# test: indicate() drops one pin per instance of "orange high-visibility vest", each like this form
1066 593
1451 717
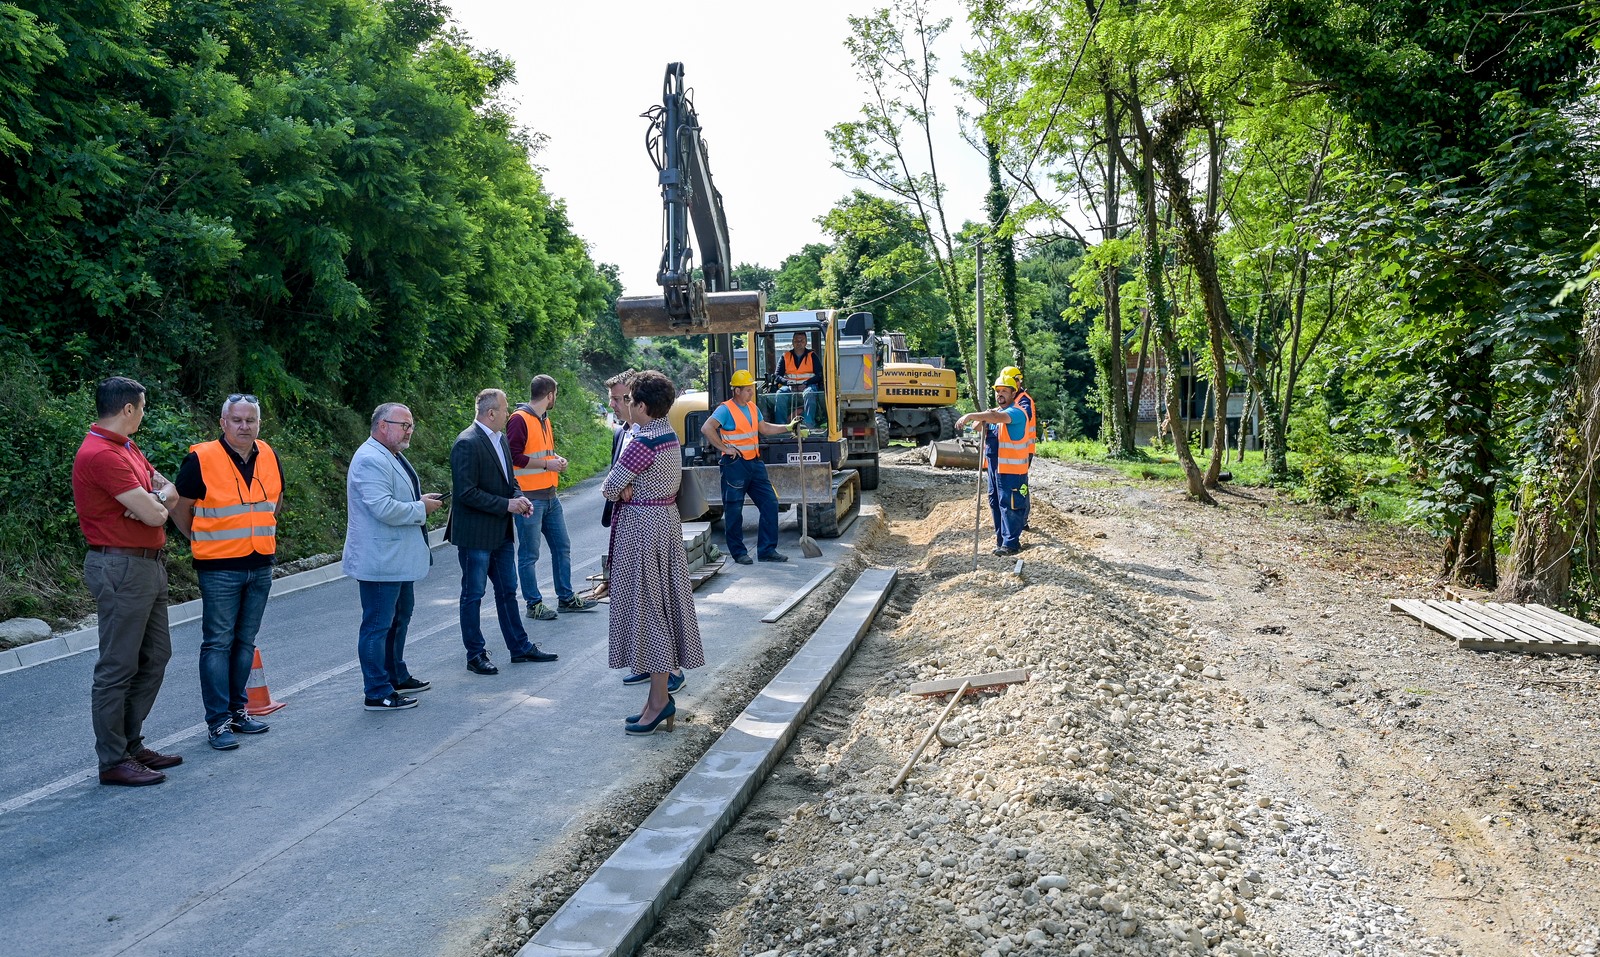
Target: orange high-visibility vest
235 520
798 374
1012 458
745 437
541 444
1032 435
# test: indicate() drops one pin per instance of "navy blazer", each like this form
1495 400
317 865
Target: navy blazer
617 437
481 489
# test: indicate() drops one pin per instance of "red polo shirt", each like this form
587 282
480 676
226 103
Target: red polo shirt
108 464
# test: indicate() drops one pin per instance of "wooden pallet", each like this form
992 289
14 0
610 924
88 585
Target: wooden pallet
704 574
1497 626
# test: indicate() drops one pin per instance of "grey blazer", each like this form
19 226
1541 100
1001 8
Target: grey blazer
385 539
482 487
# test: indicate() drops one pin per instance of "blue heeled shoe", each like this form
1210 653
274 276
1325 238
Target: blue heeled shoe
674 682
668 717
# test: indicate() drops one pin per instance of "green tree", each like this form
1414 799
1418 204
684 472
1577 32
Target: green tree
892 145
879 262
798 283
1436 95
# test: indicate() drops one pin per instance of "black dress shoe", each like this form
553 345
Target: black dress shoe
534 654
481 665
772 557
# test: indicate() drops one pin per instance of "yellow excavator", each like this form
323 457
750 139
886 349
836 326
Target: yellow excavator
916 396
817 470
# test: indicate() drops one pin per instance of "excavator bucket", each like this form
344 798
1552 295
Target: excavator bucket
737 311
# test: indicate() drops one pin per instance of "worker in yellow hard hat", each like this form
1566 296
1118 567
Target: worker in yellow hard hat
1005 450
1024 401
735 428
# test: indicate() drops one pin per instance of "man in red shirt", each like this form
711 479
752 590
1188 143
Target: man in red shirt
122 509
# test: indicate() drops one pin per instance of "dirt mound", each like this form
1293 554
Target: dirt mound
1226 746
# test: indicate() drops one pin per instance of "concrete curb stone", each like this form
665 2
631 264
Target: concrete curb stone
616 908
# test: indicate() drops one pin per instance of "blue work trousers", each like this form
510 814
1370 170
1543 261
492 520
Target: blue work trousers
546 519
784 406
1008 506
231 605
741 477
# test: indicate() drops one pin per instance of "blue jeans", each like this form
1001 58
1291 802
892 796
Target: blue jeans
784 409
741 477
385 616
547 519
1008 506
500 567
232 603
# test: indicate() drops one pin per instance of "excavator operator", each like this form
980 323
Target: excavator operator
800 374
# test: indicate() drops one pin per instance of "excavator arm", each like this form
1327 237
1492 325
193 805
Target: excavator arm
688 305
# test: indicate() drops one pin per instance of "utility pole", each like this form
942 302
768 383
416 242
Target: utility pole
981 400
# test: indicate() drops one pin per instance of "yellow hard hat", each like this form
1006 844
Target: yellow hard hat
1013 372
742 377
1007 380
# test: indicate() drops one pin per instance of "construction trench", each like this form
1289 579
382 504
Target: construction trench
1225 744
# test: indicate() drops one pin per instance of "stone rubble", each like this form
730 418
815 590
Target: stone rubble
1084 812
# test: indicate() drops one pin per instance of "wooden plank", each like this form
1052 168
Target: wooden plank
989 680
1566 621
1444 624
704 574
1480 619
799 596
1542 627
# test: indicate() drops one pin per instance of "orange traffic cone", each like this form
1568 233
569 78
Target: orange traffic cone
258 700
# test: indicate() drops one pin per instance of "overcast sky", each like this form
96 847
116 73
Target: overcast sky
768 81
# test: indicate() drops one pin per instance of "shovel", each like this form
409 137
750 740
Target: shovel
808 548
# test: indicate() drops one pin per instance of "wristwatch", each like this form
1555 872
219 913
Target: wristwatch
161 496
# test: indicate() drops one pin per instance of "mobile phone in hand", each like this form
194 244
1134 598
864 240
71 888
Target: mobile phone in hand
445 495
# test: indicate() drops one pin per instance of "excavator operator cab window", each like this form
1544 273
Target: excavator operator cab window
773 344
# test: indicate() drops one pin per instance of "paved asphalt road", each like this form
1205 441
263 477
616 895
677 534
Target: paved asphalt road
340 831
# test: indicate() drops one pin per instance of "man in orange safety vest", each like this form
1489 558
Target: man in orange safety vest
229 496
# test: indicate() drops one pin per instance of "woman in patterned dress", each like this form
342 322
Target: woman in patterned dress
654 630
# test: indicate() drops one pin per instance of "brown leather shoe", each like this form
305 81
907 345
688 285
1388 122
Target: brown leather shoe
156 761
131 774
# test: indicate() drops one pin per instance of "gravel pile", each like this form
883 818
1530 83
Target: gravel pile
1086 811
1227 746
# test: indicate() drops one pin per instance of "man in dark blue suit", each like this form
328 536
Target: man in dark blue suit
481 530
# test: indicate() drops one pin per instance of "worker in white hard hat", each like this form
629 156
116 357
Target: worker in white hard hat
735 428
1005 450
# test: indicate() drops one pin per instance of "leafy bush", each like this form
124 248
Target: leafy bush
1326 478
37 445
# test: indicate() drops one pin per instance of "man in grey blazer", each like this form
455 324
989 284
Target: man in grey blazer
386 552
480 528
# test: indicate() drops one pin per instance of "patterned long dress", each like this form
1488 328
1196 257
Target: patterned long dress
653 624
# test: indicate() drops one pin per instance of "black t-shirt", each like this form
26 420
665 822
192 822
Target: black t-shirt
191 485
